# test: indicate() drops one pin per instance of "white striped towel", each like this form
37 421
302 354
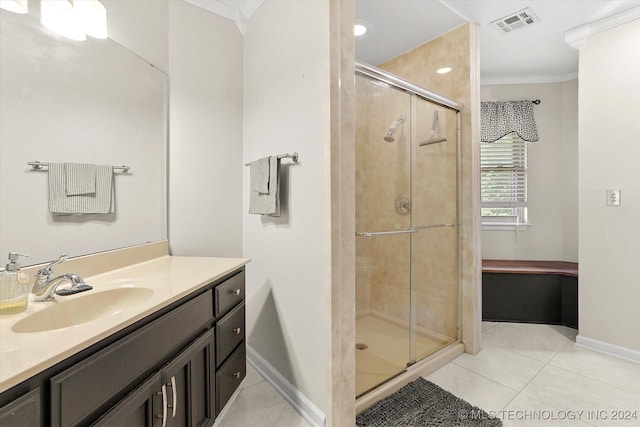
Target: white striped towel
100 202
80 178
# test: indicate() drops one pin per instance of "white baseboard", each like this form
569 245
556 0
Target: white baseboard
610 349
299 401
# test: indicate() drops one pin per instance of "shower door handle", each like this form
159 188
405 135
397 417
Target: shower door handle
385 233
425 227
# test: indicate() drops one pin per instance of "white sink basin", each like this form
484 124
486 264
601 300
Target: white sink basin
87 306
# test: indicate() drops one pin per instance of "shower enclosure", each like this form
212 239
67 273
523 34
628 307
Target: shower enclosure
406 225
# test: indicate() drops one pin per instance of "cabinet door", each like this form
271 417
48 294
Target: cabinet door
144 407
189 381
22 412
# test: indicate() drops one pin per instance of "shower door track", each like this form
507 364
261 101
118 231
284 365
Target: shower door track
365 69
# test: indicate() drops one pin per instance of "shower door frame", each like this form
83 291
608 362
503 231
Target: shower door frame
395 82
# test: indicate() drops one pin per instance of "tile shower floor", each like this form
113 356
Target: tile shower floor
524 371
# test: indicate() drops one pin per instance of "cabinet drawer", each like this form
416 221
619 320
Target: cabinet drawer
22 412
229 377
84 391
229 293
229 333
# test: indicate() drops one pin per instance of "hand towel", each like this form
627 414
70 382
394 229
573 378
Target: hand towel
259 178
268 204
100 202
80 178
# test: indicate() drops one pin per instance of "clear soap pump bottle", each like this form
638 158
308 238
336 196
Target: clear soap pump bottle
14 286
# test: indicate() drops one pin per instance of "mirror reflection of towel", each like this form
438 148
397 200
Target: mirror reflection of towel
79 178
269 203
100 202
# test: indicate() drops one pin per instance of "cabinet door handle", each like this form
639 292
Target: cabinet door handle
236 291
237 374
175 395
164 405
237 330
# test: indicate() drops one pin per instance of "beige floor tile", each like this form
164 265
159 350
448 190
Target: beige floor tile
600 367
540 342
506 367
475 389
568 391
261 405
252 378
525 411
488 325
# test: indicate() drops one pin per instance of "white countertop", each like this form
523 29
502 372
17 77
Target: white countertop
23 355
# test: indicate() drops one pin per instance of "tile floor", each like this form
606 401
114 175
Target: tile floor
524 371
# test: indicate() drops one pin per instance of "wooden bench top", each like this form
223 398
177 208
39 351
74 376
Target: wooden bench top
530 267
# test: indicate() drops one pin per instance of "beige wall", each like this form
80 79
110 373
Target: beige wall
552 177
286 109
609 126
457 49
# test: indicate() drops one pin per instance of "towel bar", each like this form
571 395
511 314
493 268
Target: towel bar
39 165
293 156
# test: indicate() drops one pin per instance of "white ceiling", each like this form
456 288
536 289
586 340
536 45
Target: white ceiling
532 54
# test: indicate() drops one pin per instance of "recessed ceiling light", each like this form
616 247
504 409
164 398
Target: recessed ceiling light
443 70
359 30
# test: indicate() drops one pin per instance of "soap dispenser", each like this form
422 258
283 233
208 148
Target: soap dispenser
14 286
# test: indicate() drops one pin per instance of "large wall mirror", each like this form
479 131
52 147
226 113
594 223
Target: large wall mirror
89 101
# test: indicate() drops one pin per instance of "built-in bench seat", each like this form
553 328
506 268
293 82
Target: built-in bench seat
530 291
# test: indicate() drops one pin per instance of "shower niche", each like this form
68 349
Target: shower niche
406 225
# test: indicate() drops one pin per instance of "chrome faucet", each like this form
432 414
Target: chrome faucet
44 287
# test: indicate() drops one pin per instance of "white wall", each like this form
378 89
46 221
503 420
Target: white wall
286 108
141 27
552 177
205 125
608 153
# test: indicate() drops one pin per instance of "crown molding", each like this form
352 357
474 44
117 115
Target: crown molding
577 37
237 11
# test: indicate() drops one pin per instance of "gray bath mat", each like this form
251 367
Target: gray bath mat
422 403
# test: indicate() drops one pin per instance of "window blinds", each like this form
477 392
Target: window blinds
504 172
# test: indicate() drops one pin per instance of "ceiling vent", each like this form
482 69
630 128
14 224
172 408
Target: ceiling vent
515 21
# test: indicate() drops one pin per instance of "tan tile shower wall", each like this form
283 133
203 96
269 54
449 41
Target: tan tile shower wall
457 49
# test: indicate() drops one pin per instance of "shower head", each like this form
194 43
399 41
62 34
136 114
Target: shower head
393 128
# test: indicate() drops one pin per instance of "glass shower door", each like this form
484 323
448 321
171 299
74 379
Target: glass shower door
434 248
383 233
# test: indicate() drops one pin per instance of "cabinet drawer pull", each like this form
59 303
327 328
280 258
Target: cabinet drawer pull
237 374
235 292
237 331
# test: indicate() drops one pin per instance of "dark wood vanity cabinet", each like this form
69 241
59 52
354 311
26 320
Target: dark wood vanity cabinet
177 367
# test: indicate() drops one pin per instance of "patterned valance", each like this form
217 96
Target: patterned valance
498 119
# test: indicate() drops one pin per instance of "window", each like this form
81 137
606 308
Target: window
504 182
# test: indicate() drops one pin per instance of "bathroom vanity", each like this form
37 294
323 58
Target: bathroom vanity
172 358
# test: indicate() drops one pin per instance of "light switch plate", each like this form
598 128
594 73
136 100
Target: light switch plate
613 197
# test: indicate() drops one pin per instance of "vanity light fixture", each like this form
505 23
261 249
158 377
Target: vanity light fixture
15 6
75 19
443 70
